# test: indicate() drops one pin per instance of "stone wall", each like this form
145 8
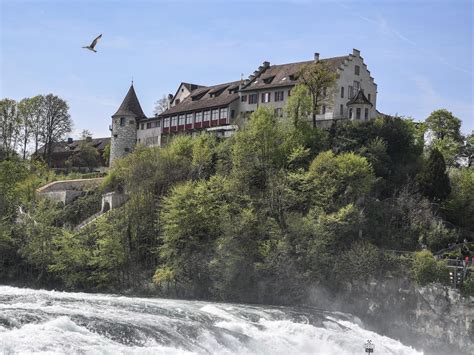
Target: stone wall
66 191
124 137
112 200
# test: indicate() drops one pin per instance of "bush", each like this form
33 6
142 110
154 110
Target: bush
426 269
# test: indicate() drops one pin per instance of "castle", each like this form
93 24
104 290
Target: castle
194 108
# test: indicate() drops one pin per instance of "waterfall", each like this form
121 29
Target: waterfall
50 322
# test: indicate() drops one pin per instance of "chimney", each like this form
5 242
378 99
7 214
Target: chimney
316 57
70 140
355 52
266 64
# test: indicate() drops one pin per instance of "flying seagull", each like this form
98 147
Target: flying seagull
94 42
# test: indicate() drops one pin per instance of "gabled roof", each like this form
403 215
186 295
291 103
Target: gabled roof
206 97
75 145
130 105
359 99
286 74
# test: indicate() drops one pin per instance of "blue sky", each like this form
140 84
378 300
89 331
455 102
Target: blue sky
419 52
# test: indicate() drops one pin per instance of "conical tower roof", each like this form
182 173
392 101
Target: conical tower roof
130 105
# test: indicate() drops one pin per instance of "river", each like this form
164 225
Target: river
50 322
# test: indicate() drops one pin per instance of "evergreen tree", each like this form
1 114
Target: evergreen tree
433 180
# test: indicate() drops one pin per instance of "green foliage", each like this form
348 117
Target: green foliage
188 218
426 269
336 180
361 262
433 180
81 208
320 80
459 206
299 105
263 216
443 124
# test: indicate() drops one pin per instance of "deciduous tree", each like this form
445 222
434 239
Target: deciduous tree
320 79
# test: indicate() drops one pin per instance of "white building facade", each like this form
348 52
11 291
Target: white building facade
219 108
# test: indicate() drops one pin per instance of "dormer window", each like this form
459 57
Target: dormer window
268 79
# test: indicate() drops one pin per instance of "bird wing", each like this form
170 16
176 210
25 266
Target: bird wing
94 42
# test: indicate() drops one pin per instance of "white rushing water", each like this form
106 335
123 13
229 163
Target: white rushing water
49 322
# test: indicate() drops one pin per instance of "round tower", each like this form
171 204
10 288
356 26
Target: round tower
124 126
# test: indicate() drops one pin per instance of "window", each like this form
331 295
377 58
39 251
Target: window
122 121
351 92
148 125
131 122
198 118
126 149
207 116
166 122
223 113
356 86
253 99
323 109
342 91
265 97
356 70
189 118
142 126
176 101
278 95
232 113
174 121
368 97
350 113
180 120
341 110
243 98
366 114
215 115
358 113
289 92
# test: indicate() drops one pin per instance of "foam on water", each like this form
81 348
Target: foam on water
48 322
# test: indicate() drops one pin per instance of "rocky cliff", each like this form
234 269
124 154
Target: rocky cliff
435 318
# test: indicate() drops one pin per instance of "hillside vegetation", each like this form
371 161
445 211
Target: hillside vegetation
259 217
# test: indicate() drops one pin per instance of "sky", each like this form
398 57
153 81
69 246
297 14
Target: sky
420 52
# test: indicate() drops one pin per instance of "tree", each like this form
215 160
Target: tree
445 134
443 123
337 180
57 122
86 155
10 124
30 111
433 180
320 79
161 105
298 107
459 206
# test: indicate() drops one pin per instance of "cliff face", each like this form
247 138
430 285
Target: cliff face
435 318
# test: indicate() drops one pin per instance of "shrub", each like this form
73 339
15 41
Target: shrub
426 269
